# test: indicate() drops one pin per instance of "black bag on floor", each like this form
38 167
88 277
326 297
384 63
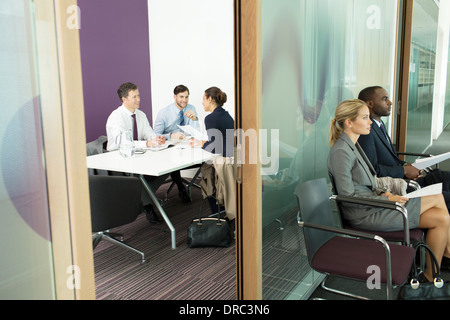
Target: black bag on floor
208 232
437 290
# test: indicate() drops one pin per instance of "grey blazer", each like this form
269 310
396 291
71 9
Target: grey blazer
355 176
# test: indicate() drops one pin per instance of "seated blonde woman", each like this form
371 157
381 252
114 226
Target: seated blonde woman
355 176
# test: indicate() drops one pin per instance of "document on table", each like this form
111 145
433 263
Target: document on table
427 191
430 161
166 145
194 133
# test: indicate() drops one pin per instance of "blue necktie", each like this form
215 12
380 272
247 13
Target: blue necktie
135 132
383 129
181 118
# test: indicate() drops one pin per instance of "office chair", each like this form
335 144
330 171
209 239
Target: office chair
406 236
189 184
346 253
115 201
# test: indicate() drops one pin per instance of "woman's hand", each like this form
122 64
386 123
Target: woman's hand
395 198
196 143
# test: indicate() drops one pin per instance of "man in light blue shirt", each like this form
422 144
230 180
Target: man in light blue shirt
178 113
167 121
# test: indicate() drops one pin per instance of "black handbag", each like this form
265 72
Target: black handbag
437 290
208 232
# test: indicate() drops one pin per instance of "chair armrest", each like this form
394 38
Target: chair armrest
414 154
347 232
413 184
425 155
351 233
395 206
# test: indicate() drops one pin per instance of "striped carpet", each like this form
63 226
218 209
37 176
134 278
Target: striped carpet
180 274
193 274
284 257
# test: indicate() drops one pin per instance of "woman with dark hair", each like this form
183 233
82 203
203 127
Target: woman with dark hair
217 124
354 175
218 179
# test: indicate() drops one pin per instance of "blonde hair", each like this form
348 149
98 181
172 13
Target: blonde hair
348 109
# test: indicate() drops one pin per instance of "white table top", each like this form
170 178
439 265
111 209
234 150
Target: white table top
151 163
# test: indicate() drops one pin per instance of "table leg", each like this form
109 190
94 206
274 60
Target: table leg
161 210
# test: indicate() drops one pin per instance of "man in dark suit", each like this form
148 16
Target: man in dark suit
380 151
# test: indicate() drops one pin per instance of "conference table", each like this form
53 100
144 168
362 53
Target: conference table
152 163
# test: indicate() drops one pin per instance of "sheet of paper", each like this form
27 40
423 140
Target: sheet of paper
194 133
427 191
431 161
163 146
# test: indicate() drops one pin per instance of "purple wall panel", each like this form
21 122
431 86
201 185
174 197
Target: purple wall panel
114 40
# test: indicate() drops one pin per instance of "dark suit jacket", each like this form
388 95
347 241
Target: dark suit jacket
381 153
217 124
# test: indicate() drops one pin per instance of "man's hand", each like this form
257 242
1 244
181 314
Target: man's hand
191 115
161 139
177 136
412 172
158 141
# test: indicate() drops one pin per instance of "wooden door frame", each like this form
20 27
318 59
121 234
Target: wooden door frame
63 123
404 72
248 116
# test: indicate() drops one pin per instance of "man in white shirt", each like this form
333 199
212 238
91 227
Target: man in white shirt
122 119
179 113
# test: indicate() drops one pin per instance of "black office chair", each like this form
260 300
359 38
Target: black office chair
189 184
408 237
115 201
341 252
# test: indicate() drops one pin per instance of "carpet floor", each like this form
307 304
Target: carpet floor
180 274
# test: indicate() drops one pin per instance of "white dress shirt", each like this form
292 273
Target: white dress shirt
121 120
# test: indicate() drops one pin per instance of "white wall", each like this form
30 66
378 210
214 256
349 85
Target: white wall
440 81
191 43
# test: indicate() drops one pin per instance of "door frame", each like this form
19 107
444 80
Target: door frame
248 76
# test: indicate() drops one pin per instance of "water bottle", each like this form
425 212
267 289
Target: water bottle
126 144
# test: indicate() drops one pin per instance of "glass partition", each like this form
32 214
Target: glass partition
421 78
26 269
447 96
315 54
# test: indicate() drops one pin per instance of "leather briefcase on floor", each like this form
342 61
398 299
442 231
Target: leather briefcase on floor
208 232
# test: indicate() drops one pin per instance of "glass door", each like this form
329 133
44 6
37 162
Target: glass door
26 264
421 75
447 95
44 196
315 54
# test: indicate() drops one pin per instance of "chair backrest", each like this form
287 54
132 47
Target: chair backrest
97 147
115 201
338 204
333 183
314 207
